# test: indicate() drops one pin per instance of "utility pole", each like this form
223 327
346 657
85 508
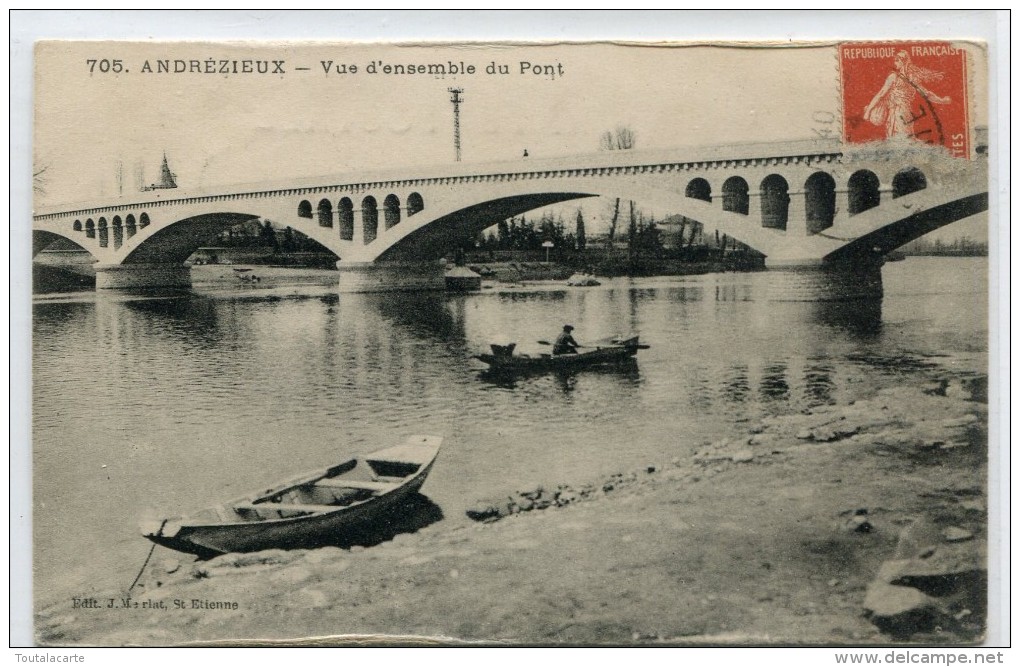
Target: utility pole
456 99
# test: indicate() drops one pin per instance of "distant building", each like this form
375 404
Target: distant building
167 179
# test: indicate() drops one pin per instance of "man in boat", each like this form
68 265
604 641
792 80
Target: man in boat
565 343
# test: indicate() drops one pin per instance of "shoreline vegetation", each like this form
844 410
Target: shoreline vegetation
68 270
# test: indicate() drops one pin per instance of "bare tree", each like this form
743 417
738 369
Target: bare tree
39 180
620 139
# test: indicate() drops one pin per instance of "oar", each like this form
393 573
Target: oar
637 347
545 342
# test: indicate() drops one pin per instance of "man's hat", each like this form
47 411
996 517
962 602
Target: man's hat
568 327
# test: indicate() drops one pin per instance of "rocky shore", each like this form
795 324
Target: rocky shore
849 524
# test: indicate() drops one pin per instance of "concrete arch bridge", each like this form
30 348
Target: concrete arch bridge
801 204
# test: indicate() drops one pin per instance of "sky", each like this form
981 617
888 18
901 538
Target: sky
221 128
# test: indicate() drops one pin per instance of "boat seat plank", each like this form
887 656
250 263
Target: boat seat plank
339 483
287 507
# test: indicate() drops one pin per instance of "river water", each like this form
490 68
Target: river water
151 404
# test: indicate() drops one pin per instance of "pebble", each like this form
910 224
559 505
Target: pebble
742 456
973 505
956 534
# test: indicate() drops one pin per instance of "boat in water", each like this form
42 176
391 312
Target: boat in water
583 280
610 350
315 508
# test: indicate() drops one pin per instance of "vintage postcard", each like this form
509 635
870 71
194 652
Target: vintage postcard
543 344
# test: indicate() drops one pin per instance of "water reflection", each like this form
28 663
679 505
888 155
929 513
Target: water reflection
818 382
862 318
774 385
737 387
624 373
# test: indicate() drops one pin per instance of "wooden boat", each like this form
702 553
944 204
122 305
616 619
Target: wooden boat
583 280
314 508
609 350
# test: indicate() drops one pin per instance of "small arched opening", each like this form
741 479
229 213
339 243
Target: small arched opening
699 189
104 233
143 221
370 219
325 213
77 225
414 204
130 226
863 192
304 209
775 202
735 197
907 181
90 229
391 210
820 201
118 232
345 211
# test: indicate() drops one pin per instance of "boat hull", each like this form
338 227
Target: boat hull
604 355
342 526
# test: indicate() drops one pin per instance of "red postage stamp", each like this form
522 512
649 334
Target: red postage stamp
905 89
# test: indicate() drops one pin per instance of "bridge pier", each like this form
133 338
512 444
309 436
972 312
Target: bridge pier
826 281
391 276
131 276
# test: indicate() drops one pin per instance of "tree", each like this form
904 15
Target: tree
268 235
39 180
620 139
582 240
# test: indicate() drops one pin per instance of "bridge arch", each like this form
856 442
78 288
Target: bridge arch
369 219
104 234
118 232
907 181
345 215
699 188
77 225
820 201
472 209
304 209
735 197
143 220
130 227
42 239
90 229
391 210
415 204
174 243
863 191
775 202
325 213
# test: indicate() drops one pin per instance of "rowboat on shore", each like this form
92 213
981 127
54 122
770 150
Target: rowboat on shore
610 350
315 508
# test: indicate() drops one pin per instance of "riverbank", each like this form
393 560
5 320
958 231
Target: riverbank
853 524
58 274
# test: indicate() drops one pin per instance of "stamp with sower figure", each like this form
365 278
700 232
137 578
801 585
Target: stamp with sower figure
916 90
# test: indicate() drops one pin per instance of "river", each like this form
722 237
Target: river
152 404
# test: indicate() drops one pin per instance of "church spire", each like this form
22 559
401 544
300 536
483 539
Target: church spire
167 179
